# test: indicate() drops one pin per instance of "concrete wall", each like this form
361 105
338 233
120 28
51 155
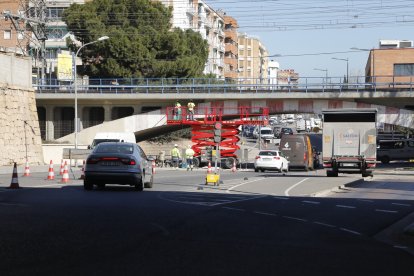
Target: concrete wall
15 70
19 124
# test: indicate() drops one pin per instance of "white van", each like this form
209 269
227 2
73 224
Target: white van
113 137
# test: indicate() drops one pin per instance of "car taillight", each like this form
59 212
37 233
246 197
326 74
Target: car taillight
276 157
257 157
92 160
304 156
128 161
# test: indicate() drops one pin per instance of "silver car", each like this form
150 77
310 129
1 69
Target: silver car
118 163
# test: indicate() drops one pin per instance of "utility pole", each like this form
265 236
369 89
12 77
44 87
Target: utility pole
31 19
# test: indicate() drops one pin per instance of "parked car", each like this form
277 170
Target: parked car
285 131
276 131
272 160
118 163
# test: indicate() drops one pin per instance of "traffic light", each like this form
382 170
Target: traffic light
217 132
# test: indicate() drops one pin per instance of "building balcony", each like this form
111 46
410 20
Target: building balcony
191 10
231 48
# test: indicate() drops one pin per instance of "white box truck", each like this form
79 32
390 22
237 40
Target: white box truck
112 137
349 143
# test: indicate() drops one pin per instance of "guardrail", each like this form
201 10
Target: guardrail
201 85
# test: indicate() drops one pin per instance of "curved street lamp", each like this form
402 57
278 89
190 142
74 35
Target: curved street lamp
347 67
326 73
76 86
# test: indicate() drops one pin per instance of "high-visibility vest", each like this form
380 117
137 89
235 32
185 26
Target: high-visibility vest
189 153
175 152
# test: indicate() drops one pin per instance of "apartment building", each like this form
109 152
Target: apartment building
231 55
11 39
392 62
200 17
253 60
287 77
272 72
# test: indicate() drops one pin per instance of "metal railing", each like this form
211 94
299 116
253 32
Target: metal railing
213 85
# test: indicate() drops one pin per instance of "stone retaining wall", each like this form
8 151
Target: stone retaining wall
19 124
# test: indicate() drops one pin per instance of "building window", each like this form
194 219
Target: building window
404 69
7 34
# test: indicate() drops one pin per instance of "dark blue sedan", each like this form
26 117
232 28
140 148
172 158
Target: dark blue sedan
118 163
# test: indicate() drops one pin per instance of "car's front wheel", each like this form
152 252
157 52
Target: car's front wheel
150 183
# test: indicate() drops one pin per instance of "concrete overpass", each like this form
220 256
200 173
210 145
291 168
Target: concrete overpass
154 123
101 104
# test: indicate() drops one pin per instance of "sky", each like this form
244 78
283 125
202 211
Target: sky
305 35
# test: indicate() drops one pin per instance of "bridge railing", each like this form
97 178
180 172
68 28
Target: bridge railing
210 85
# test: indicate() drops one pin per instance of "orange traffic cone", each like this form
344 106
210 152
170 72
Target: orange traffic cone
209 170
234 169
83 171
26 169
51 174
65 177
15 178
61 167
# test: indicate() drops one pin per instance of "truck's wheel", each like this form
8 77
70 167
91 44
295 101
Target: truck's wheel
196 162
228 162
366 174
385 160
331 174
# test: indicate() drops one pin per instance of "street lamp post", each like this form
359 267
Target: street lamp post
326 74
347 67
76 87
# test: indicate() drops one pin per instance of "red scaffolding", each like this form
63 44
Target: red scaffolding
203 124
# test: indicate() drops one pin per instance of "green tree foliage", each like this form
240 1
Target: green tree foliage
141 44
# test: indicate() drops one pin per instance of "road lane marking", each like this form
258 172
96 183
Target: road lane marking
345 206
279 197
311 202
292 187
13 204
401 204
294 218
351 231
234 209
366 200
400 247
240 200
324 224
264 213
162 228
386 211
248 182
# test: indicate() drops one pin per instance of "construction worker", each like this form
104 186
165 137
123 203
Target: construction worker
190 108
189 154
175 156
177 111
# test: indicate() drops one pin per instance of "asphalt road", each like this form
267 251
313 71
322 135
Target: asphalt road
251 224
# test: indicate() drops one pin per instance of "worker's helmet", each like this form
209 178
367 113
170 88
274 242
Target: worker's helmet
175 145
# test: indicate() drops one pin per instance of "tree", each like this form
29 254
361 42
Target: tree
141 44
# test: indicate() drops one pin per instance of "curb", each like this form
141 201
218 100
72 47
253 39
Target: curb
327 191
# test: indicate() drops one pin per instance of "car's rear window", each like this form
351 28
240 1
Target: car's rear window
266 131
268 153
112 148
